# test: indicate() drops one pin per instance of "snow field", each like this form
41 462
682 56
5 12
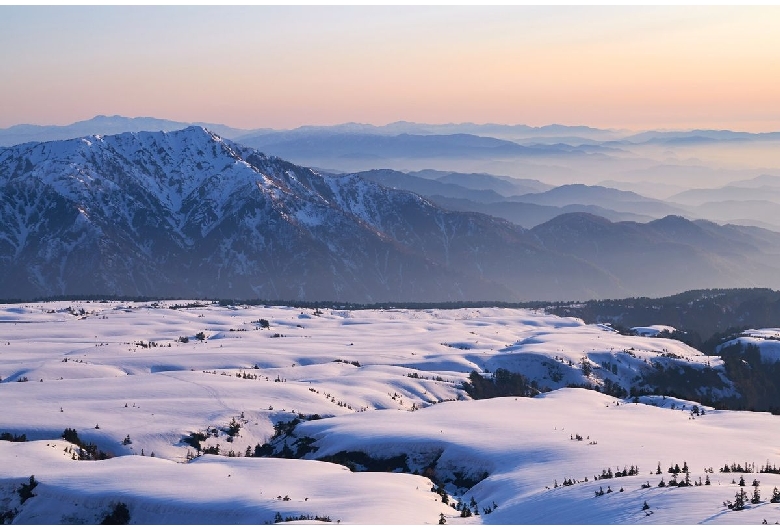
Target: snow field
210 490
525 445
396 389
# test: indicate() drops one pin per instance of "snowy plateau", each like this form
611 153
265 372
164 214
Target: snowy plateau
201 413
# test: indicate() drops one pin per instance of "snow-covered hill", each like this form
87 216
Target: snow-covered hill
361 389
767 340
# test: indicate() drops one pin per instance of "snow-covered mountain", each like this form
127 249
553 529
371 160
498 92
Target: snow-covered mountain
188 213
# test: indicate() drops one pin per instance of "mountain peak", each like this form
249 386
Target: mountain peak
574 222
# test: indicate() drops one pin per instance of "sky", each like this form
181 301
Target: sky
282 67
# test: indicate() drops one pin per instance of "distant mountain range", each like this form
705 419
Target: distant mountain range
525 134
463 192
189 214
696 136
104 125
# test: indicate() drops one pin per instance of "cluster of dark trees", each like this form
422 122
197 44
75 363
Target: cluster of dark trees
119 514
353 363
682 381
704 320
770 468
8 516
749 468
283 443
469 509
360 461
741 498
757 381
25 492
502 383
703 316
303 517
738 468
87 451
676 470
10 437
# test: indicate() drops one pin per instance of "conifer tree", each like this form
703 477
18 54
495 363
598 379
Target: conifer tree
25 491
120 514
756 498
740 498
775 495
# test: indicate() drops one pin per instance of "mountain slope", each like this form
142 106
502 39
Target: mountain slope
726 193
666 255
428 187
188 213
529 215
506 186
609 198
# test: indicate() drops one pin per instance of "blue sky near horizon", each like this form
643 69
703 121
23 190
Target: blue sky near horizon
265 66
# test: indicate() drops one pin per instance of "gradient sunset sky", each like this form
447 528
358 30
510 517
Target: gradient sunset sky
622 67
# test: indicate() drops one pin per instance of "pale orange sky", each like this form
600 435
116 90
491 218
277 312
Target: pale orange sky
622 67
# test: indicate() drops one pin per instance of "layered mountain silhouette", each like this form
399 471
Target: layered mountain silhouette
189 214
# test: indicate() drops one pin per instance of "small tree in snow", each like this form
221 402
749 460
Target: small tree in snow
756 498
118 515
587 369
25 491
775 495
739 500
